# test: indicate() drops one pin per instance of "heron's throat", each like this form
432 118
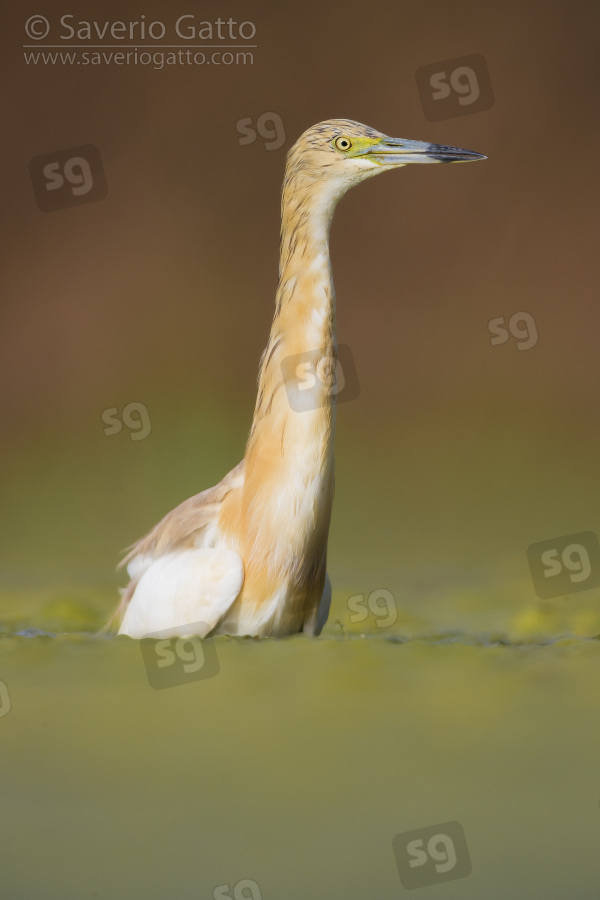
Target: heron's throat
307 208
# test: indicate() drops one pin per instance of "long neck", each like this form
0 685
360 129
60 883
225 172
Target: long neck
288 486
304 322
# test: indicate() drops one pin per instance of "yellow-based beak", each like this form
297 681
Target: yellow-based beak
398 152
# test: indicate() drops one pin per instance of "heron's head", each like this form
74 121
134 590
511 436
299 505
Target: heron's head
334 155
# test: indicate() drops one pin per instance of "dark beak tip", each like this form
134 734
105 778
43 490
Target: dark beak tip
457 155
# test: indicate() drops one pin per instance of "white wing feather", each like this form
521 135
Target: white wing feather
185 592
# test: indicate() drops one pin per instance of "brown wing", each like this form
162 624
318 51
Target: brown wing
187 521
184 524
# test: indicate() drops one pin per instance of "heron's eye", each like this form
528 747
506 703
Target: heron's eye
343 143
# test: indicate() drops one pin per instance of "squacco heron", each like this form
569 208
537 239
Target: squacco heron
248 557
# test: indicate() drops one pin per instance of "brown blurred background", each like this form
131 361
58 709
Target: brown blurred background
457 454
